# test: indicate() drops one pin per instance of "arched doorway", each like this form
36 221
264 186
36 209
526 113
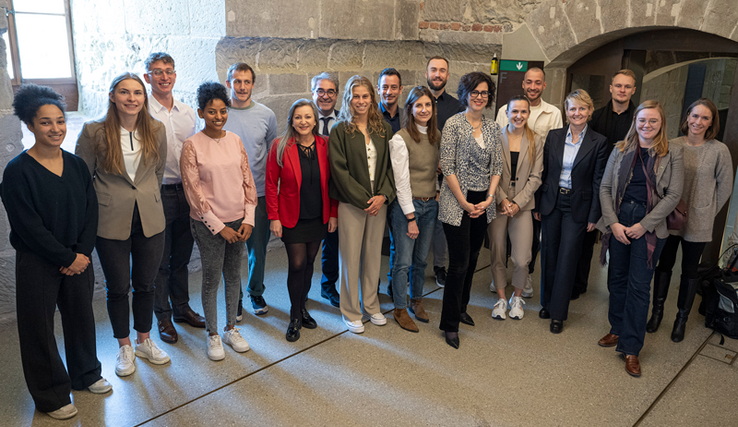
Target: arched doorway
566 32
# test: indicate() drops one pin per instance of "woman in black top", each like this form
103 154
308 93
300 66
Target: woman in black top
52 209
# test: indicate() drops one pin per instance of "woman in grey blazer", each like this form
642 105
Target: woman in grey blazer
708 183
125 152
522 154
641 186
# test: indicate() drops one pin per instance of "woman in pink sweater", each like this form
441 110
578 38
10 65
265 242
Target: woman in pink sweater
222 196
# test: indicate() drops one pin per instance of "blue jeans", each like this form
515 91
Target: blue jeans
629 283
410 254
257 247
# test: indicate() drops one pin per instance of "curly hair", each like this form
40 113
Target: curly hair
375 120
209 91
469 82
31 97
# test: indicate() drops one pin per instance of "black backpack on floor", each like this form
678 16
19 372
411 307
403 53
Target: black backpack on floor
721 305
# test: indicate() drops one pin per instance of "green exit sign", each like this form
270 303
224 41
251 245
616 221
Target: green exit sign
507 65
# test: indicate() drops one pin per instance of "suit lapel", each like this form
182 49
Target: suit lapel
587 145
294 160
322 153
506 152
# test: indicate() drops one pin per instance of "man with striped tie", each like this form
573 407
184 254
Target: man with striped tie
324 87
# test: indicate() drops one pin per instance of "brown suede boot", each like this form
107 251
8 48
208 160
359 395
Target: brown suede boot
416 307
404 320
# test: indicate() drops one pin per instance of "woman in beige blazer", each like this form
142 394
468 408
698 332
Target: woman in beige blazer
125 152
521 176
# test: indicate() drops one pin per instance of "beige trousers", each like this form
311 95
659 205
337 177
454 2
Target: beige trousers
520 229
360 258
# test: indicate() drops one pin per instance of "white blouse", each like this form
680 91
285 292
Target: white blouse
371 159
131 145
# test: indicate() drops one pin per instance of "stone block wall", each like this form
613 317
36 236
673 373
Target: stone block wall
284 67
114 36
10 146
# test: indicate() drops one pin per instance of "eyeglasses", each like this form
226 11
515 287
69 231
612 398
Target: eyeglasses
476 93
652 122
330 92
158 72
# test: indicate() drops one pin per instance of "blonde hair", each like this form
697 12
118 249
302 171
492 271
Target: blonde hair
528 131
582 97
289 133
144 126
374 121
660 144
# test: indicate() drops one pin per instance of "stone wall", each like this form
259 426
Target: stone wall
114 36
286 48
10 146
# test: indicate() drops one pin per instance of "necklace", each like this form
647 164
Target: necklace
217 141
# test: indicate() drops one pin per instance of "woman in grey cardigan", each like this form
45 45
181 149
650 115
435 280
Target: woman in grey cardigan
708 181
641 186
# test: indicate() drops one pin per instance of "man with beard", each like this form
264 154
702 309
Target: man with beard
543 117
613 121
436 73
325 94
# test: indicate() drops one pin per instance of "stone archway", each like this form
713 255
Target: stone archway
565 31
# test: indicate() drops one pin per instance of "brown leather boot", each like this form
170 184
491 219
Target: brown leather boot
404 320
416 307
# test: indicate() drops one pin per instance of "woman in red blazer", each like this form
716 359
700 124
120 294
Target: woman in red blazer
298 206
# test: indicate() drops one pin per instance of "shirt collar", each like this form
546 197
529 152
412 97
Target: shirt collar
422 129
581 134
156 106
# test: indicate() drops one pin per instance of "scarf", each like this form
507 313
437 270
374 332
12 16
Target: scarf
624 177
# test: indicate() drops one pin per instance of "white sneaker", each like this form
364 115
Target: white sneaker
233 338
100 386
499 311
528 289
356 327
516 308
378 319
150 351
215 348
124 365
492 287
63 413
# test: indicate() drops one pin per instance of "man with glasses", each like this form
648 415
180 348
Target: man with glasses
543 117
172 280
613 121
325 94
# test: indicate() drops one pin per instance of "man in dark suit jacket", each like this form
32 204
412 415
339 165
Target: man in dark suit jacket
569 205
324 87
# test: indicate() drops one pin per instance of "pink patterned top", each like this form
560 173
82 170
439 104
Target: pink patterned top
217 180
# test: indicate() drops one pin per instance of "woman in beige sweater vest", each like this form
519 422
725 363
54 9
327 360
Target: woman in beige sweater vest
414 154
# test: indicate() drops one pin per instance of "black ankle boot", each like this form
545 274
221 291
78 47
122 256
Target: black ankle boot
687 290
661 282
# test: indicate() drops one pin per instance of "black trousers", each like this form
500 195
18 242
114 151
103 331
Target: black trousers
329 263
562 244
40 288
133 262
464 243
172 279
691 254
581 280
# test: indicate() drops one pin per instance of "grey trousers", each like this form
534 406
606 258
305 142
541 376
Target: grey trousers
218 257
